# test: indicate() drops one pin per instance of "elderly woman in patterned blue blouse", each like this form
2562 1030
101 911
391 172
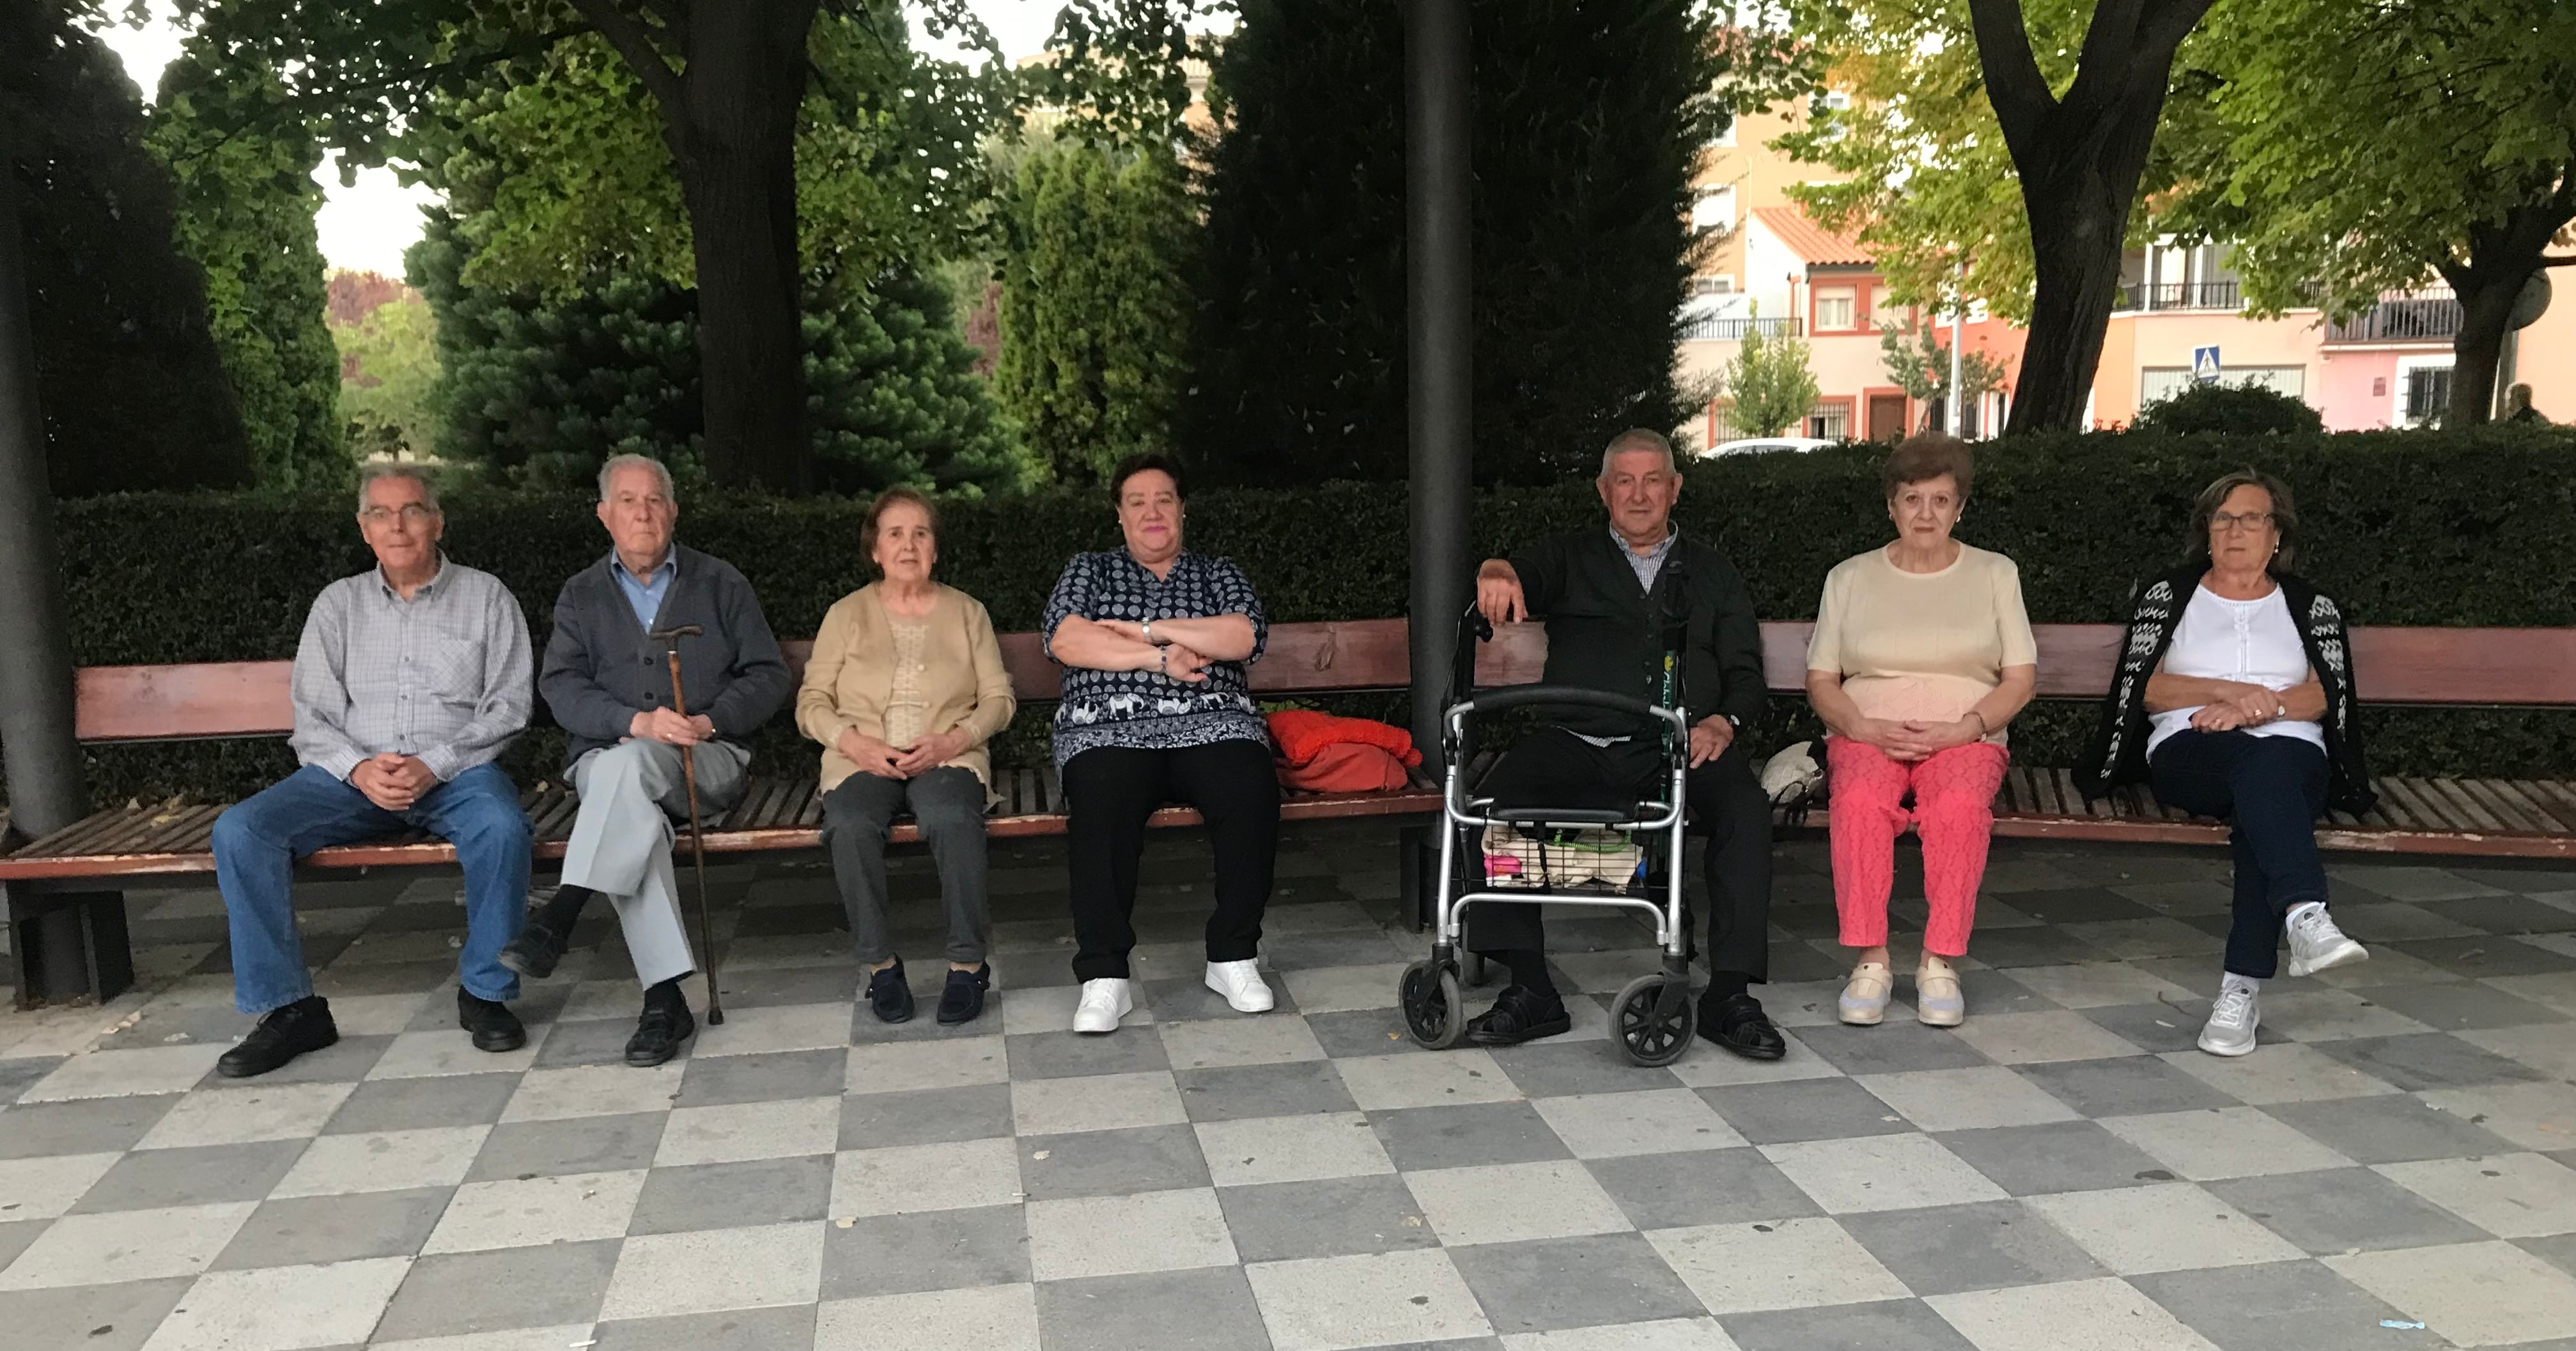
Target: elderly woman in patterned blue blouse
1154 641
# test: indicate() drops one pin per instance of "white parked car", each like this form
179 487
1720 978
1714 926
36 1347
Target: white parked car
1751 445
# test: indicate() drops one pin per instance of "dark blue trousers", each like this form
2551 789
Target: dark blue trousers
2269 790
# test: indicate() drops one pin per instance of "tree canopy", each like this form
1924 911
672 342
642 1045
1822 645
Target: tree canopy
1770 383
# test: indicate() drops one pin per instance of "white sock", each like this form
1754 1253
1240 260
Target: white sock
2302 908
2252 985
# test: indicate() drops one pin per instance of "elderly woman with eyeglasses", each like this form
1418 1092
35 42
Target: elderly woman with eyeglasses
2234 699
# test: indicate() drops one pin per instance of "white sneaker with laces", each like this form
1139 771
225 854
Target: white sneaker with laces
2317 945
2230 1029
1104 1002
1242 986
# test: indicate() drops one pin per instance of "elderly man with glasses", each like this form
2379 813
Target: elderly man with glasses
409 680
608 680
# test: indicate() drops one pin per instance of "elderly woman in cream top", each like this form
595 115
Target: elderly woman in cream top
1921 654
905 688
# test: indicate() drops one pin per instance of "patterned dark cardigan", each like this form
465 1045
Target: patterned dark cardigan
2119 754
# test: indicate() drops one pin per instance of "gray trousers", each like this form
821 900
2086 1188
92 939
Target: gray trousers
948 804
621 839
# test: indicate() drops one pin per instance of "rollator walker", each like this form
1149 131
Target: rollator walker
1653 1014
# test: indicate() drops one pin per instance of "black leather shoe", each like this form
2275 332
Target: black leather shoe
890 994
1738 1023
535 951
659 1032
495 1028
283 1033
1519 1014
962 1001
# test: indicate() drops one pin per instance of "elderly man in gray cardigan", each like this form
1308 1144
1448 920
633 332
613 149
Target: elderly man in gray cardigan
609 684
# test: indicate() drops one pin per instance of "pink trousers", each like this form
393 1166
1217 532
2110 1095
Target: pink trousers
1954 813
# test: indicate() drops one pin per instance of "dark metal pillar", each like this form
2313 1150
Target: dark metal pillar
1439 181
1439 184
62 944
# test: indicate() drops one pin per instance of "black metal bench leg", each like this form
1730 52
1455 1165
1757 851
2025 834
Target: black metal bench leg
66 944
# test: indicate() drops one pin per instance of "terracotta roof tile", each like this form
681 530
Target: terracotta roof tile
1819 246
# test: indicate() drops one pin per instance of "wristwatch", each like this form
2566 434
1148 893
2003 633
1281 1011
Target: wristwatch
1147 629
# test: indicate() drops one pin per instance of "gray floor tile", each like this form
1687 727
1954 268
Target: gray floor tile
2159 1027
2505 914
2342 1209
418 1104
90 1317
2036 946
1236 1092
2459 1006
2123 1086
768 987
1546 1284
1553 1069
2478 958
150 1179
2282 1306
1899 1044
733 1195
866 1030
2558 1251
1800 961
1804 1109
1709 1186
731 1330
930 1250
1187 999
2397 921
310 1230
924 1116
1111 1163
1208 1309
1063 1055
1359 1032
451 1294
1943 1250
31 1130
19 1071
16 1235
1907 1323
176 1024
589 1144
1315 951
1336 1217
2077 905
591 1041
2151 937
2427 1060
1457 1137
2057 1156
771 1076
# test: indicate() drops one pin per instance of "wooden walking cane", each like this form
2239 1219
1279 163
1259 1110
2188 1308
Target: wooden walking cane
670 640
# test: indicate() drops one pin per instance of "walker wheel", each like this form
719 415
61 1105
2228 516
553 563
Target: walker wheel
1428 993
1650 1035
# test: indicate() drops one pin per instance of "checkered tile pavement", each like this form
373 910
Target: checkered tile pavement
2064 1173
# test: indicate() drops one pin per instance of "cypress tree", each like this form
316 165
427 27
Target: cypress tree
1589 119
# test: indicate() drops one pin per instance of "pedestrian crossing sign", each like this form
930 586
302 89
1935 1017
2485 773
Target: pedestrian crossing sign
2204 365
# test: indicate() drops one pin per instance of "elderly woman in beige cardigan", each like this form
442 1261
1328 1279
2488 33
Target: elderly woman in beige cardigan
905 687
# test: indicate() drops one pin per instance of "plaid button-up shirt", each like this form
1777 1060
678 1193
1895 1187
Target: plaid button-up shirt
447 676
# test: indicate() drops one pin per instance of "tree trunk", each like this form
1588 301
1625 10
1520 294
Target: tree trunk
746 77
2075 249
2502 258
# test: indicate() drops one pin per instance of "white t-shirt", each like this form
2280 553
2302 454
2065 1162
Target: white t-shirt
2252 641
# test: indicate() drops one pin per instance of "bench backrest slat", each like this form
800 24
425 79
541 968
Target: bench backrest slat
2431 666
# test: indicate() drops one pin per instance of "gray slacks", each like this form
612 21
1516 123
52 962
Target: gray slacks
621 839
948 803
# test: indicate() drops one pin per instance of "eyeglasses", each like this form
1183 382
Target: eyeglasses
2229 520
412 513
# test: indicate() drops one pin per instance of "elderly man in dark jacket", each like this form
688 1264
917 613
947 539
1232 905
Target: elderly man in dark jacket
608 682
1612 596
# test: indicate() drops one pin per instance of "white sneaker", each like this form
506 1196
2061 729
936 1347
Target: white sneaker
2230 1029
1242 986
1104 1002
2317 945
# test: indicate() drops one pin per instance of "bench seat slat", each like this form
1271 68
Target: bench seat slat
2509 806
2469 807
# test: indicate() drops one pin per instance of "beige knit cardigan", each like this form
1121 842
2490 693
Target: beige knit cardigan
851 676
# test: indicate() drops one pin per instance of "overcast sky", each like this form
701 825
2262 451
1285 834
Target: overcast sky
367 227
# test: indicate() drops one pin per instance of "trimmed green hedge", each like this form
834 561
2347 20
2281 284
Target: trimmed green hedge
2470 528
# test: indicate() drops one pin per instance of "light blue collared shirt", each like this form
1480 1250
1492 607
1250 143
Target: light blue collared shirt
646 596
1646 565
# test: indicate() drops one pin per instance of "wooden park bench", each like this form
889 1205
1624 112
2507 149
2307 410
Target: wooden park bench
2431 667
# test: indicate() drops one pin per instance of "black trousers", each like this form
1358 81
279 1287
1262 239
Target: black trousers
1554 767
2269 790
1110 791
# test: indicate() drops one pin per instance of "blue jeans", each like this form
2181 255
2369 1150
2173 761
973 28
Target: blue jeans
2270 790
258 840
